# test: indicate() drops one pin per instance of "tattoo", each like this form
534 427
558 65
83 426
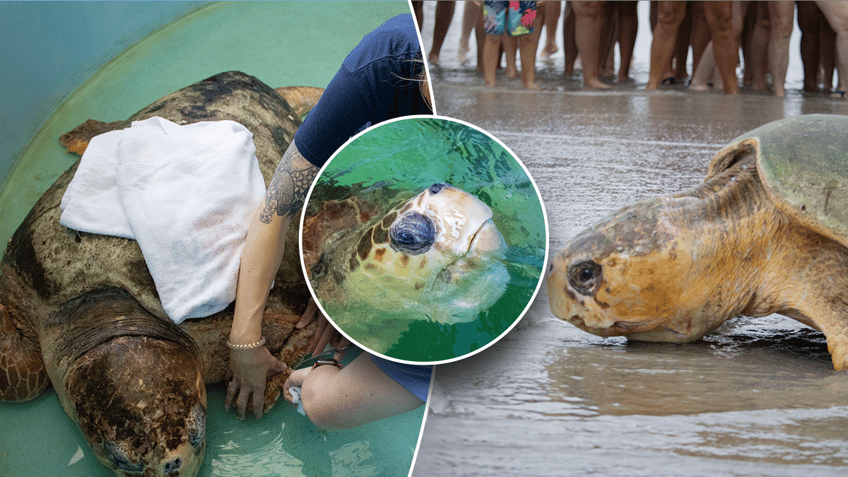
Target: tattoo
289 186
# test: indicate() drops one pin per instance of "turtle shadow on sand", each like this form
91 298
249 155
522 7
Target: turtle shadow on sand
80 310
766 232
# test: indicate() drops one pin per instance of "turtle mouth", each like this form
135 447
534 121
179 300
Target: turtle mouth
487 238
485 243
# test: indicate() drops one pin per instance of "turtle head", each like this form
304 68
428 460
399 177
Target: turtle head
141 413
629 275
438 249
132 382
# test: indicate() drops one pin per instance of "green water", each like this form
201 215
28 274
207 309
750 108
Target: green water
283 44
410 155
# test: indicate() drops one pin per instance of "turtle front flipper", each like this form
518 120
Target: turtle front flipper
301 98
22 373
132 382
76 140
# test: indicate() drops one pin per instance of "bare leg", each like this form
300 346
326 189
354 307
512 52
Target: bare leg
569 43
677 65
719 17
355 395
587 30
528 45
418 10
510 47
781 14
491 51
469 19
628 27
703 73
480 34
669 16
608 36
837 16
552 12
700 33
444 15
827 53
759 48
809 24
527 49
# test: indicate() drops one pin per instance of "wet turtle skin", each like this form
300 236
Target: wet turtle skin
675 268
80 310
436 254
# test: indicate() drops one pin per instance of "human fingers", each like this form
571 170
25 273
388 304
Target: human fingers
241 402
308 315
277 367
258 404
232 388
323 324
341 349
326 337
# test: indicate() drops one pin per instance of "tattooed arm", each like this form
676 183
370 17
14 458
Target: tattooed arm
261 257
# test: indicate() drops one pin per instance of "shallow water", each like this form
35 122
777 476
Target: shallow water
271 41
390 158
756 397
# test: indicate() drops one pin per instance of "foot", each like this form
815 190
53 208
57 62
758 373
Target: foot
549 50
511 72
700 87
462 54
596 84
433 58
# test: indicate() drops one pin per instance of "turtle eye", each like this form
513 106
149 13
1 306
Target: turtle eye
412 233
585 276
436 188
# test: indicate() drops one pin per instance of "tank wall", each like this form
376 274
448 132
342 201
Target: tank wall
49 49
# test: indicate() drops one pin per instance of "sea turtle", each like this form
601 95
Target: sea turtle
81 311
436 255
766 232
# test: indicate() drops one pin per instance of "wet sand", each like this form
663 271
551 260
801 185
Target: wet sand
756 397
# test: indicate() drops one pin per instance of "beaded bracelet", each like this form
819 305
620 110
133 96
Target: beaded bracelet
246 346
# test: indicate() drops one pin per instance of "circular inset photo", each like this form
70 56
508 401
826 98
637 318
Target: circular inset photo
424 240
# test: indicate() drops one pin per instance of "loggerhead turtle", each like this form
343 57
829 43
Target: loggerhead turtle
766 232
81 311
436 255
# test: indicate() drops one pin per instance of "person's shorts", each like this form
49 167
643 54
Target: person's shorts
515 18
414 378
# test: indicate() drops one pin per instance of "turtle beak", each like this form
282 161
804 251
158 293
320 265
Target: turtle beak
487 239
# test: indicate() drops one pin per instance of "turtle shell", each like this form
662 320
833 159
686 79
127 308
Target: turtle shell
803 165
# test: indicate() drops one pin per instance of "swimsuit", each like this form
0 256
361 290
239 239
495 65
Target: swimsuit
515 18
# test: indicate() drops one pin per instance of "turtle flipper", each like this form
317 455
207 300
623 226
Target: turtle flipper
22 372
301 98
76 140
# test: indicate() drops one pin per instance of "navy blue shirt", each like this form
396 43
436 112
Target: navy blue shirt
378 80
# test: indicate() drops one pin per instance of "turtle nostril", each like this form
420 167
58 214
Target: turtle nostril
173 466
436 188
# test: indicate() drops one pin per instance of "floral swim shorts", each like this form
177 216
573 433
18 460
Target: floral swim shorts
515 18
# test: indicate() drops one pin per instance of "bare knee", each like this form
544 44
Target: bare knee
321 401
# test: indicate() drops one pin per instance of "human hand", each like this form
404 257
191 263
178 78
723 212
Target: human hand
248 370
325 333
295 380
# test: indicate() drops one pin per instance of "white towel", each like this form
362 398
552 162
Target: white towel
187 194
